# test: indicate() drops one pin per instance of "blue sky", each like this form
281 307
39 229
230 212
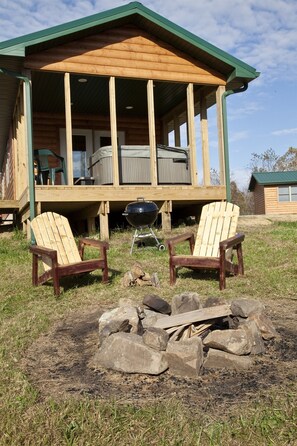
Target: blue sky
261 33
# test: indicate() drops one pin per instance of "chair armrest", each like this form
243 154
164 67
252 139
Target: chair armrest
172 242
42 251
102 246
232 241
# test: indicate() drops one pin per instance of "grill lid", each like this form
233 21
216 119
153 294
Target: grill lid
140 206
141 213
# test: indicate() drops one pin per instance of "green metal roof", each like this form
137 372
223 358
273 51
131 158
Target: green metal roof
21 46
13 54
272 178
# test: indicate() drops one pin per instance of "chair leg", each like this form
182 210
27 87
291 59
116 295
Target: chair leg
240 260
172 271
56 280
222 279
34 270
105 274
222 271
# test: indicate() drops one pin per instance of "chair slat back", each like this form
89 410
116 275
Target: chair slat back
53 231
218 222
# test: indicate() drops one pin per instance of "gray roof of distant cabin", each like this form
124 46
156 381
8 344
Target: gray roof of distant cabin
273 178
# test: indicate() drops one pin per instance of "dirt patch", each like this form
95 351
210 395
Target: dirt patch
58 365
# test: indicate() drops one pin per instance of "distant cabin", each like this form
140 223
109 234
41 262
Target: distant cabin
274 192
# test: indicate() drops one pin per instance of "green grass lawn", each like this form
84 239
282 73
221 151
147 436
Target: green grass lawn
26 312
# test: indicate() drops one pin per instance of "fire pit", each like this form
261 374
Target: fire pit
142 214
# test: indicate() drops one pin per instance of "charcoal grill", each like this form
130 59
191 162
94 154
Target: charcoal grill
142 214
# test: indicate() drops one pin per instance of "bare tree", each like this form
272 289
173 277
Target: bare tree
264 162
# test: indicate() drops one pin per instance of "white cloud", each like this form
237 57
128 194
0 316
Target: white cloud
238 136
285 132
263 34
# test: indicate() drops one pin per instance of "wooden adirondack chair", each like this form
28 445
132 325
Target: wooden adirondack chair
57 249
215 243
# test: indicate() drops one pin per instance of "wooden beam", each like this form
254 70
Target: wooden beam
193 316
191 134
204 140
219 93
68 119
114 133
152 131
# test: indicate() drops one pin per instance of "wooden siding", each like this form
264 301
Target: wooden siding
7 177
124 52
273 206
259 200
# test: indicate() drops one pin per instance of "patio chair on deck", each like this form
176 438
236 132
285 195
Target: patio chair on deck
56 248
48 165
216 241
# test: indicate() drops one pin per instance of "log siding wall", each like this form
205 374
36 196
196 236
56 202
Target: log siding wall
273 206
259 199
124 52
47 126
266 201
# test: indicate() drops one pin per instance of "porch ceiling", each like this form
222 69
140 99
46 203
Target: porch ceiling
92 97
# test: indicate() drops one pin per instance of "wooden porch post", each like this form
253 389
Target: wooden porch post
113 131
219 93
176 131
68 119
204 140
152 131
191 134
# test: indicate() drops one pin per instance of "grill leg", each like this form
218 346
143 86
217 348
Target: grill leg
133 240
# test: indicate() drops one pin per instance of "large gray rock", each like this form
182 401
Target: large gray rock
253 332
156 303
265 326
126 352
121 314
185 357
182 303
245 307
237 342
156 338
114 326
151 317
217 359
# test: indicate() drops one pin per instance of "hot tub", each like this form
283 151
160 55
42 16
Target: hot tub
134 165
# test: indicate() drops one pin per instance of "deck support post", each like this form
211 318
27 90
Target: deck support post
103 220
165 211
91 225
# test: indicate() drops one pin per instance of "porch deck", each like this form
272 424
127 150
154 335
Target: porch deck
86 202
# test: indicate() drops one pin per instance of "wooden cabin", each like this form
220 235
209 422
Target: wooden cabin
274 192
124 97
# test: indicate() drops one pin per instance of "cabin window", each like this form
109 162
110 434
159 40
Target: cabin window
287 193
